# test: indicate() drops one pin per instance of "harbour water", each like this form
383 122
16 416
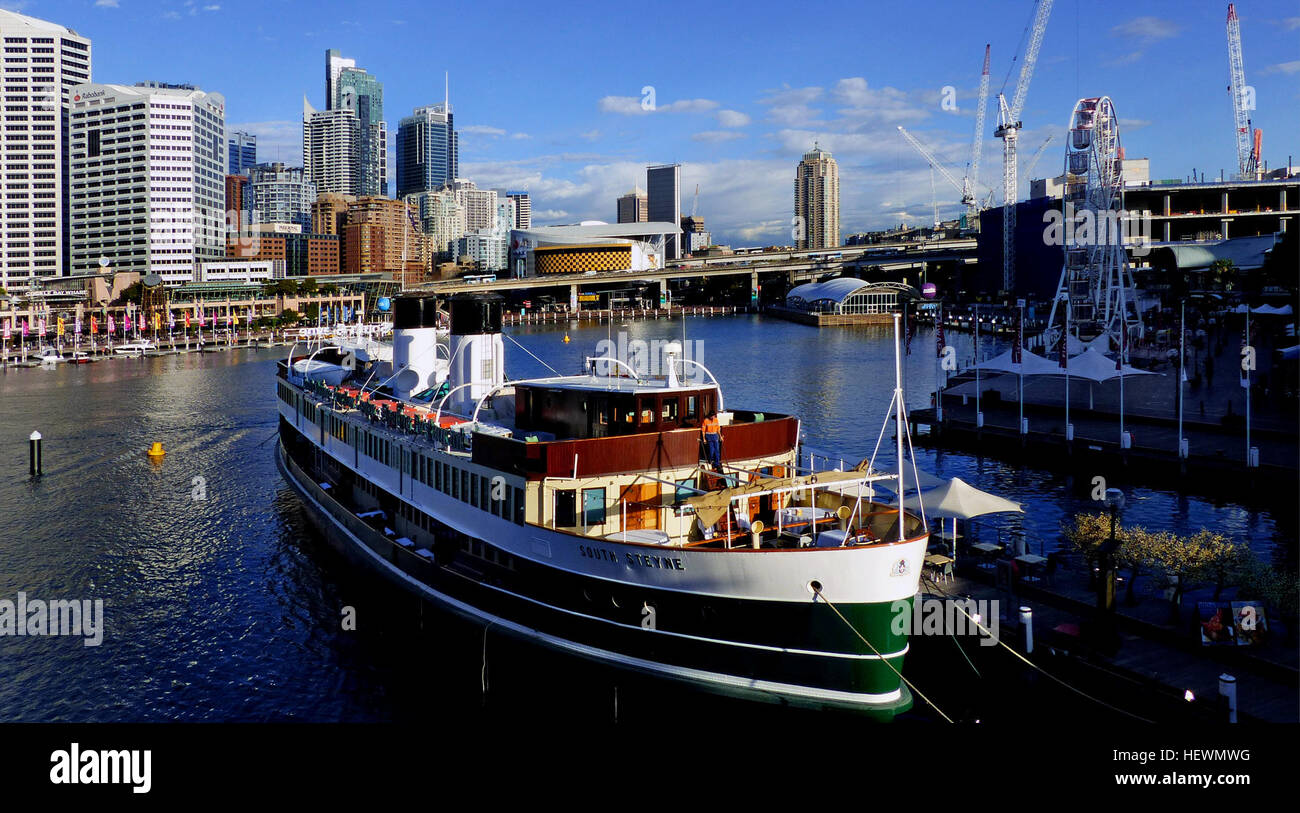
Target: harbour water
221 605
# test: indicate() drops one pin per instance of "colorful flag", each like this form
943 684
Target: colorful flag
139 321
939 343
94 325
157 320
58 326
187 320
76 325
24 328
171 320
112 324
42 324
6 331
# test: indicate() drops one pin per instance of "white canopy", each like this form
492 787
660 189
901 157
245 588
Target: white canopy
1265 310
910 476
1095 367
1030 365
957 499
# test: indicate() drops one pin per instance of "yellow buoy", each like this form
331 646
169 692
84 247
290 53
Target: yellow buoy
566 338
156 450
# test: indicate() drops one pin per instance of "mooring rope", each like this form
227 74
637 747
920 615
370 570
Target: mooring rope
817 590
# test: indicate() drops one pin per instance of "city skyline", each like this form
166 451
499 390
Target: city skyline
736 110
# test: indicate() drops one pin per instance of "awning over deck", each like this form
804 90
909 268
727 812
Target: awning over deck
712 507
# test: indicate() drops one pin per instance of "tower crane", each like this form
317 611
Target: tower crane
1009 125
1247 154
696 203
977 147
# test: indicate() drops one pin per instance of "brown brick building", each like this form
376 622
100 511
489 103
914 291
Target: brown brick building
379 233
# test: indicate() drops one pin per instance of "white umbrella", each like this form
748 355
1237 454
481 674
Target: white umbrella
956 500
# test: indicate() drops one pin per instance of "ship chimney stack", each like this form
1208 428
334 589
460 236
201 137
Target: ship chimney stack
415 340
477 351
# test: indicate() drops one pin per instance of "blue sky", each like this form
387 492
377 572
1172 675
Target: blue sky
547 95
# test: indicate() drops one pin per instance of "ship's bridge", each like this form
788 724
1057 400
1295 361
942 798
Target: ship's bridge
596 406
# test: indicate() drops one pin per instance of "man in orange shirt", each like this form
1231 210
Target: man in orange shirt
713 440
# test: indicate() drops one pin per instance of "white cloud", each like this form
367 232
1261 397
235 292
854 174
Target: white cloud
589 135
482 129
870 107
717 136
1125 59
732 118
640 106
1147 29
520 136
1291 24
212 7
106 3
792 107
1283 67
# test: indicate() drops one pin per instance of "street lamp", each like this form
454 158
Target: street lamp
1106 561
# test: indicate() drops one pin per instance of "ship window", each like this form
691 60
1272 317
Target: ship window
437 475
690 406
647 410
668 412
685 490
593 506
519 506
565 509
602 411
473 490
464 485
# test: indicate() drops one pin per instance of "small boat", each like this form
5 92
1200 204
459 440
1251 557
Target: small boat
80 357
48 355
137 348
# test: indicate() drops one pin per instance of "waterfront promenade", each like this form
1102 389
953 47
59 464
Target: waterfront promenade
1149 652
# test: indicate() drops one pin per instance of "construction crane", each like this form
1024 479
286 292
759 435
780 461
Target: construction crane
934 198
960 186
1247 154
1009 125
1029 170
977 147
696 203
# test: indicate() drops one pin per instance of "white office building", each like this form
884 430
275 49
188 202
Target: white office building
243 271
147 186
480 204
43 61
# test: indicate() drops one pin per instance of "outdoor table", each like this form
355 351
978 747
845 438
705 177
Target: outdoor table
938 564
1030 561
986 550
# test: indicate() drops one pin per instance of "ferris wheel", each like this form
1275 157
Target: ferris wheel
1096 294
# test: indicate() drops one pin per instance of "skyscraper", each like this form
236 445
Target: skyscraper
428 150
523 209
281 194
43 61
817 200
334 64
156 206
633 207
664 202
480 204
329 149
363 94
243 152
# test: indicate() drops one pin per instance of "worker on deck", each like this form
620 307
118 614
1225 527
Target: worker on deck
713 440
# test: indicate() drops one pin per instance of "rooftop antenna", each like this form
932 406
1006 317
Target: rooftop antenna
446 91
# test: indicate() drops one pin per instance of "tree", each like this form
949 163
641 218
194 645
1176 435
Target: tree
1186 559
307 286
289 316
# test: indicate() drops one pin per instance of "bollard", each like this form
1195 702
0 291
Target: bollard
1228 688
1027 623
34 453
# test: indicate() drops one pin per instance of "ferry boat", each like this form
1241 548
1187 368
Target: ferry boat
579 512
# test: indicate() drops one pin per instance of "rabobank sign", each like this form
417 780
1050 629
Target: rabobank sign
90 94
